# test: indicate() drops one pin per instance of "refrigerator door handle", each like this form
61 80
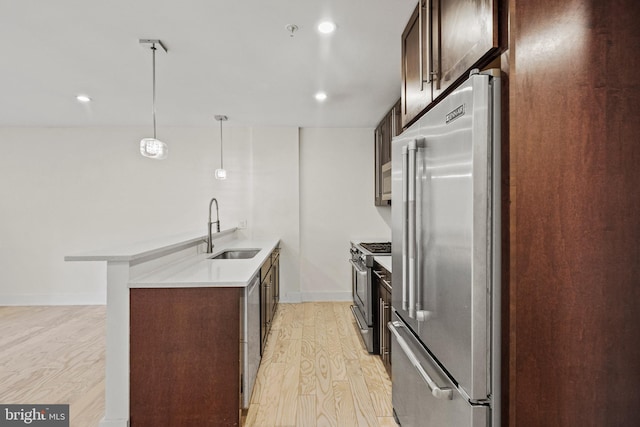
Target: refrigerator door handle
411 225
437 392
405 231
419 313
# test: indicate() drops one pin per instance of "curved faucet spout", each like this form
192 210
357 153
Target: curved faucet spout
209 224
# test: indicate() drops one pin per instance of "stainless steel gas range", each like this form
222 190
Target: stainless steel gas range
362 258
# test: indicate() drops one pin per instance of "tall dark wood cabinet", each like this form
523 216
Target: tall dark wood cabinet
442 41
572 266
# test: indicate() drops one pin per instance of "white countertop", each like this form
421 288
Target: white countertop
384 261
150 248
200 271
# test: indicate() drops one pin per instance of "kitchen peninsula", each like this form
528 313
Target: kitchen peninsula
174 319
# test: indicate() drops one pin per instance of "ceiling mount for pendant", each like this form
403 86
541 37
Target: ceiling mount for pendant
154 42
153 148
291 28
221 173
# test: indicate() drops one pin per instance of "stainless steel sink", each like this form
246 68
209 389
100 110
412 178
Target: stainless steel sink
237 254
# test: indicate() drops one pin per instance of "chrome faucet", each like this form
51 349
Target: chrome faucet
209 224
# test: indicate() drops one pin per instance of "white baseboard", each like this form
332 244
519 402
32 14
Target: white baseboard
290 297
317 296
54 299
114 423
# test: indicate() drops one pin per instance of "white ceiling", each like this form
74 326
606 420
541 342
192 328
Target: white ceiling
225 57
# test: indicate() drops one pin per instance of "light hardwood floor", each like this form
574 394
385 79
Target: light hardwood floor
314 372
51 355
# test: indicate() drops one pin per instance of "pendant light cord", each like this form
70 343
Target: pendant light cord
221 166
153 66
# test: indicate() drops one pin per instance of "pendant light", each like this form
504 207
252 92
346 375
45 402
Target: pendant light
221 173
153 148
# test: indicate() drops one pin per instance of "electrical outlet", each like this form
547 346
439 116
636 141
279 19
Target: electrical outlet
242 224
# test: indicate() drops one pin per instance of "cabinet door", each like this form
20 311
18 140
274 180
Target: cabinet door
396 121
386 337
468 34
265 308
416 64
442 42
384 133
275 287
385 145
377 167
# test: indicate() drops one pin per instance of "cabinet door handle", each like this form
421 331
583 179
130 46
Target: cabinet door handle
384 322
421 55
381 324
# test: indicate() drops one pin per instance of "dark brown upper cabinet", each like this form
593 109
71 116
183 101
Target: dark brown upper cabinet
387 128
442 42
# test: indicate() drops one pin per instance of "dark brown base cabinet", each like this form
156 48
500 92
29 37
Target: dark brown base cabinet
269 294
185 352
383 285
185 357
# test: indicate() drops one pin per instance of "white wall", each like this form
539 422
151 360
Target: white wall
336 205
276 207
71 190
65 191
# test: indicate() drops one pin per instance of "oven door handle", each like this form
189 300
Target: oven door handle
353 311
357 267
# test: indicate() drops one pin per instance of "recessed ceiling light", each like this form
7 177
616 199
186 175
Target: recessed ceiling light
321 96
326 27
83 98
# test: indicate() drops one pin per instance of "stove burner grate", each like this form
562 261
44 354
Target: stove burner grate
377 248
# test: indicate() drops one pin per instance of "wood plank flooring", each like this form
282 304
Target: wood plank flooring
51 355
314 372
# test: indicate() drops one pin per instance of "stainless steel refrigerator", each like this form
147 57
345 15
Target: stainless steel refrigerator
446 255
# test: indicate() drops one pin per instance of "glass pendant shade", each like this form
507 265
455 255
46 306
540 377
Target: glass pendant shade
221 174
153 148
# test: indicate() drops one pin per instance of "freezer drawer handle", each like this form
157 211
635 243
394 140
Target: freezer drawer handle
437 392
